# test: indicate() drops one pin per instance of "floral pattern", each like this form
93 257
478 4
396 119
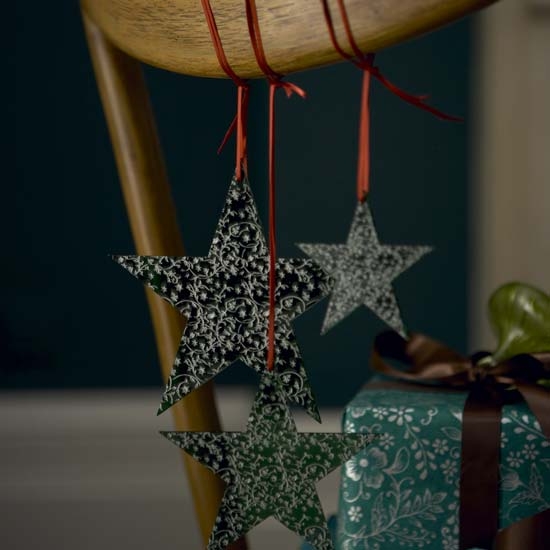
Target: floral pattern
367 468
224 297
363 270
406 484
271 470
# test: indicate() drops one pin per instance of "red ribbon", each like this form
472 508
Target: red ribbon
239 122
275 82
366 63
363 158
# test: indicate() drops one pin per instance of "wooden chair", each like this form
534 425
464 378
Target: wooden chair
173 35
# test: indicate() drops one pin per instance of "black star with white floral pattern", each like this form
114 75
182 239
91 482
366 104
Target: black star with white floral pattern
363 270
270 469
224 297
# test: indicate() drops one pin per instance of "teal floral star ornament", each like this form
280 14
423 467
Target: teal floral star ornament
270 469
225 298
363 270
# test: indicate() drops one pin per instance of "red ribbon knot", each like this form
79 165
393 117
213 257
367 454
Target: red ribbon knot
288 87
240 120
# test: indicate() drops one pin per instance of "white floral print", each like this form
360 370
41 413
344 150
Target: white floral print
271 469
368 467
440 446
514 459
363 270
400 415
530 451
449 468
225 298
413 501
355 513
386 440
379 412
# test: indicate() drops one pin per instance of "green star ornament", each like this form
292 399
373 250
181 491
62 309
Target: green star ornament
270 469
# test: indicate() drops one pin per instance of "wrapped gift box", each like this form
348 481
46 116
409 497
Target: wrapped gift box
402 490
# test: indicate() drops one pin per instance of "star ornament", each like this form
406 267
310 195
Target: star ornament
363 270
270 469
224 297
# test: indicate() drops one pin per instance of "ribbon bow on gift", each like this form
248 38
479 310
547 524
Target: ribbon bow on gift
489 387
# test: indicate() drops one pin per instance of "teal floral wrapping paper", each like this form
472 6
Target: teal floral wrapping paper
402 491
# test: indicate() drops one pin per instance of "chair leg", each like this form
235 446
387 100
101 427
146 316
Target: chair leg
155 231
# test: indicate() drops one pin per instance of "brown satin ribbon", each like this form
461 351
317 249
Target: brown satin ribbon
489 388
532 533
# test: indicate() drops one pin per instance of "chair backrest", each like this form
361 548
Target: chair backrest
173 35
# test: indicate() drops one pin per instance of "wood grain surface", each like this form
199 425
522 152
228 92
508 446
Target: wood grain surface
173 35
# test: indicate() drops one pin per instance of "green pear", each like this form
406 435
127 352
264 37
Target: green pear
520 316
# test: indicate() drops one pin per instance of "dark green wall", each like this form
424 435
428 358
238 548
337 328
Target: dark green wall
70 317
